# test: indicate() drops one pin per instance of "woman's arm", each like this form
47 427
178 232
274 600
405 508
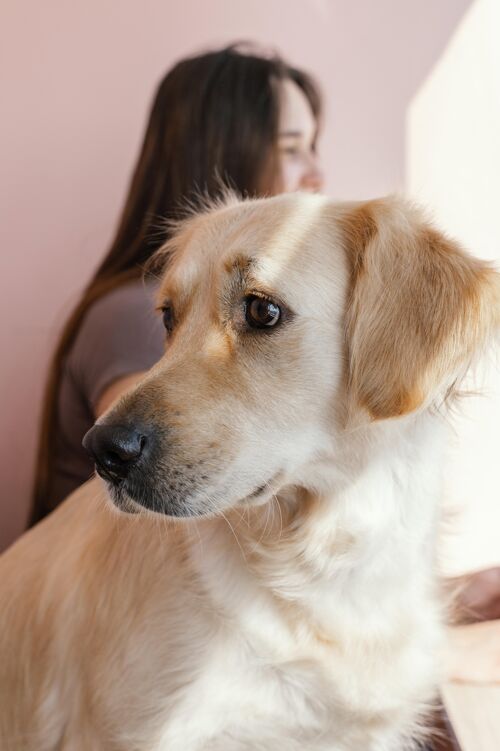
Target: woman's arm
115 390
119 340
473 653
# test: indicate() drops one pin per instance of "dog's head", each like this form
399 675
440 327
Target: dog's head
284 317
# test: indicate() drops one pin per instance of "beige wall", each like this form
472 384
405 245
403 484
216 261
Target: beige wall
454 167
78 79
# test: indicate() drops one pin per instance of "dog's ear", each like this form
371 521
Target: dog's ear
419 307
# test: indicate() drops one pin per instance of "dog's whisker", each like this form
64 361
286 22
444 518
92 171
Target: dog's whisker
241 515
268 511
200 538
222 514
158 523
275 498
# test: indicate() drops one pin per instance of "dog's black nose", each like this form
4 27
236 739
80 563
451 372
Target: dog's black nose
115 449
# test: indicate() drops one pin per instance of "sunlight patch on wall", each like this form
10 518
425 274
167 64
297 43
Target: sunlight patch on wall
453 167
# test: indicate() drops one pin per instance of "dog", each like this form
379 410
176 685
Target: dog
257 570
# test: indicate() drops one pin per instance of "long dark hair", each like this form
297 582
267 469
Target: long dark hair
213 123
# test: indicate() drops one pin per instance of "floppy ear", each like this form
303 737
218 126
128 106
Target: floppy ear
418 310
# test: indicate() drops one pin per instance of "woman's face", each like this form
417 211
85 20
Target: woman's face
296 140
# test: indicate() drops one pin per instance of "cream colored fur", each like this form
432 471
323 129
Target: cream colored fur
299 609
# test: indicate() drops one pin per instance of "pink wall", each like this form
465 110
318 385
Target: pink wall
80 77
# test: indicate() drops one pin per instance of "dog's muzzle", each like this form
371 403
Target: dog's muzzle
136 462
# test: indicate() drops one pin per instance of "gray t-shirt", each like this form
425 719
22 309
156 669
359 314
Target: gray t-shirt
119 335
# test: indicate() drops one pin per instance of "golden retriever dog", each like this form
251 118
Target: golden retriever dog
260 572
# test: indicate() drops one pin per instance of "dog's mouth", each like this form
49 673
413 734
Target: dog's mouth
265 491
135 497
258 490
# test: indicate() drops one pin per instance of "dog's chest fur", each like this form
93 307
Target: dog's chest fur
336 651
260 690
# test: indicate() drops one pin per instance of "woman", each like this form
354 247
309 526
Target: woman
218 119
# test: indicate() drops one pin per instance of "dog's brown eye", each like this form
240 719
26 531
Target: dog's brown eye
261 313
168 318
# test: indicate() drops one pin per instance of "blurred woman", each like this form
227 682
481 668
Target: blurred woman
226 118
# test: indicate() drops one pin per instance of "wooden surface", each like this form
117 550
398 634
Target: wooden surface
474 712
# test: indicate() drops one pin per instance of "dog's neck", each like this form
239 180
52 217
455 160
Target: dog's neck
374 534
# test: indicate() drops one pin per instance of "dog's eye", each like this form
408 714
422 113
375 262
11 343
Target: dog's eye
261 313
168 318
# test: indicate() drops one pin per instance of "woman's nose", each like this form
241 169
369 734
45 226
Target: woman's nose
313 178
